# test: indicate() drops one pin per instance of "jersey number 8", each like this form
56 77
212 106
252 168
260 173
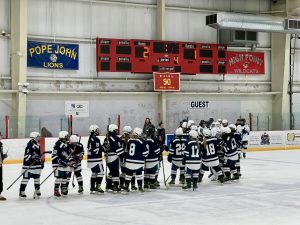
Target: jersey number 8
132 149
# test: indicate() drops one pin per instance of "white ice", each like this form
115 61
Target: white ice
267 194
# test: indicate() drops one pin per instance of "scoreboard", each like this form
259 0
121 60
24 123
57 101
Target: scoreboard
148 56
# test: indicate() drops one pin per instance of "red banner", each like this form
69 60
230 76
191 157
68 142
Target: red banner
245 63
166 81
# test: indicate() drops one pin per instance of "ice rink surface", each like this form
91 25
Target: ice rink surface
267 194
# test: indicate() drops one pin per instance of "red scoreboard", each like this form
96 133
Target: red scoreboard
148 56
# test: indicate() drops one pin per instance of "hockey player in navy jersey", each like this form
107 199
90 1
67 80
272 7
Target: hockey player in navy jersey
209 154
114 152
192 161
136 153
59 147
33 164
94 160
127 132
77 152
238 138
175 156
151 162
230 154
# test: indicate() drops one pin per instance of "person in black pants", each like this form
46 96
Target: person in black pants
2 157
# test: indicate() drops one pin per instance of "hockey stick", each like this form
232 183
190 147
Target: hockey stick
25 171
163 166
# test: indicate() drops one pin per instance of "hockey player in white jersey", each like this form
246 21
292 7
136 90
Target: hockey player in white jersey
244 129
94 160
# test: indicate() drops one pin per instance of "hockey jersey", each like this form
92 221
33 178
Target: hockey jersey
94 152
58 149
177 149
153 149
192 153
136 152
230 147
32 156
113 148
209 150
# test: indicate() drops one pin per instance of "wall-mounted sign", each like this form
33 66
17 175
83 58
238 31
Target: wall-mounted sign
199 104
77 108
166 81
52 55
245 63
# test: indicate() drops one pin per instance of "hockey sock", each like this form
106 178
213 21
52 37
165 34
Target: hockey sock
23 187
99 180
133 181
122 181
93 182
140 183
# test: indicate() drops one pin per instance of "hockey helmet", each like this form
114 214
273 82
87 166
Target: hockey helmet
63 134
225 123
184 125
190 123
74 139
34 135
138 131
112 127
179 131
206 132
194 127
127 129
94 129
232 127
193 134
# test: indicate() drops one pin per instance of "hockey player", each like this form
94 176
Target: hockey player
192 161
3 156
136 153
244 129
114 153
151 161
224 123
176 155
94 160
59 147
77 152
231 154
238 138
33 164
209 154
127 132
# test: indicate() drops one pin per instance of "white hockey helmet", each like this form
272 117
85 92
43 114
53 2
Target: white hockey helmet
206 132
74 139
225 123
194 127
34 135
94 129
226 130
213 124
184 125
193 134
219 120
138 131
127 129
190 123
63 134
112 127
218 124
179 131
232 127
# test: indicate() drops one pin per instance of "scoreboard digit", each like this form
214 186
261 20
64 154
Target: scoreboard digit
148 56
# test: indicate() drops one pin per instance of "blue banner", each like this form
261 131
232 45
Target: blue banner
52 55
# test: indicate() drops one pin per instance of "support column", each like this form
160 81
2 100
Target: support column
280 80
18 62
160 32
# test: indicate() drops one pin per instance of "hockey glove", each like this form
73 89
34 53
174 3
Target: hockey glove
63 163
5 155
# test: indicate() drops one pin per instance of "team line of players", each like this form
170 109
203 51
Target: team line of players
135 157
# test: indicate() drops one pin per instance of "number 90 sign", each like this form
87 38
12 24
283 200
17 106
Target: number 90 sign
166 81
